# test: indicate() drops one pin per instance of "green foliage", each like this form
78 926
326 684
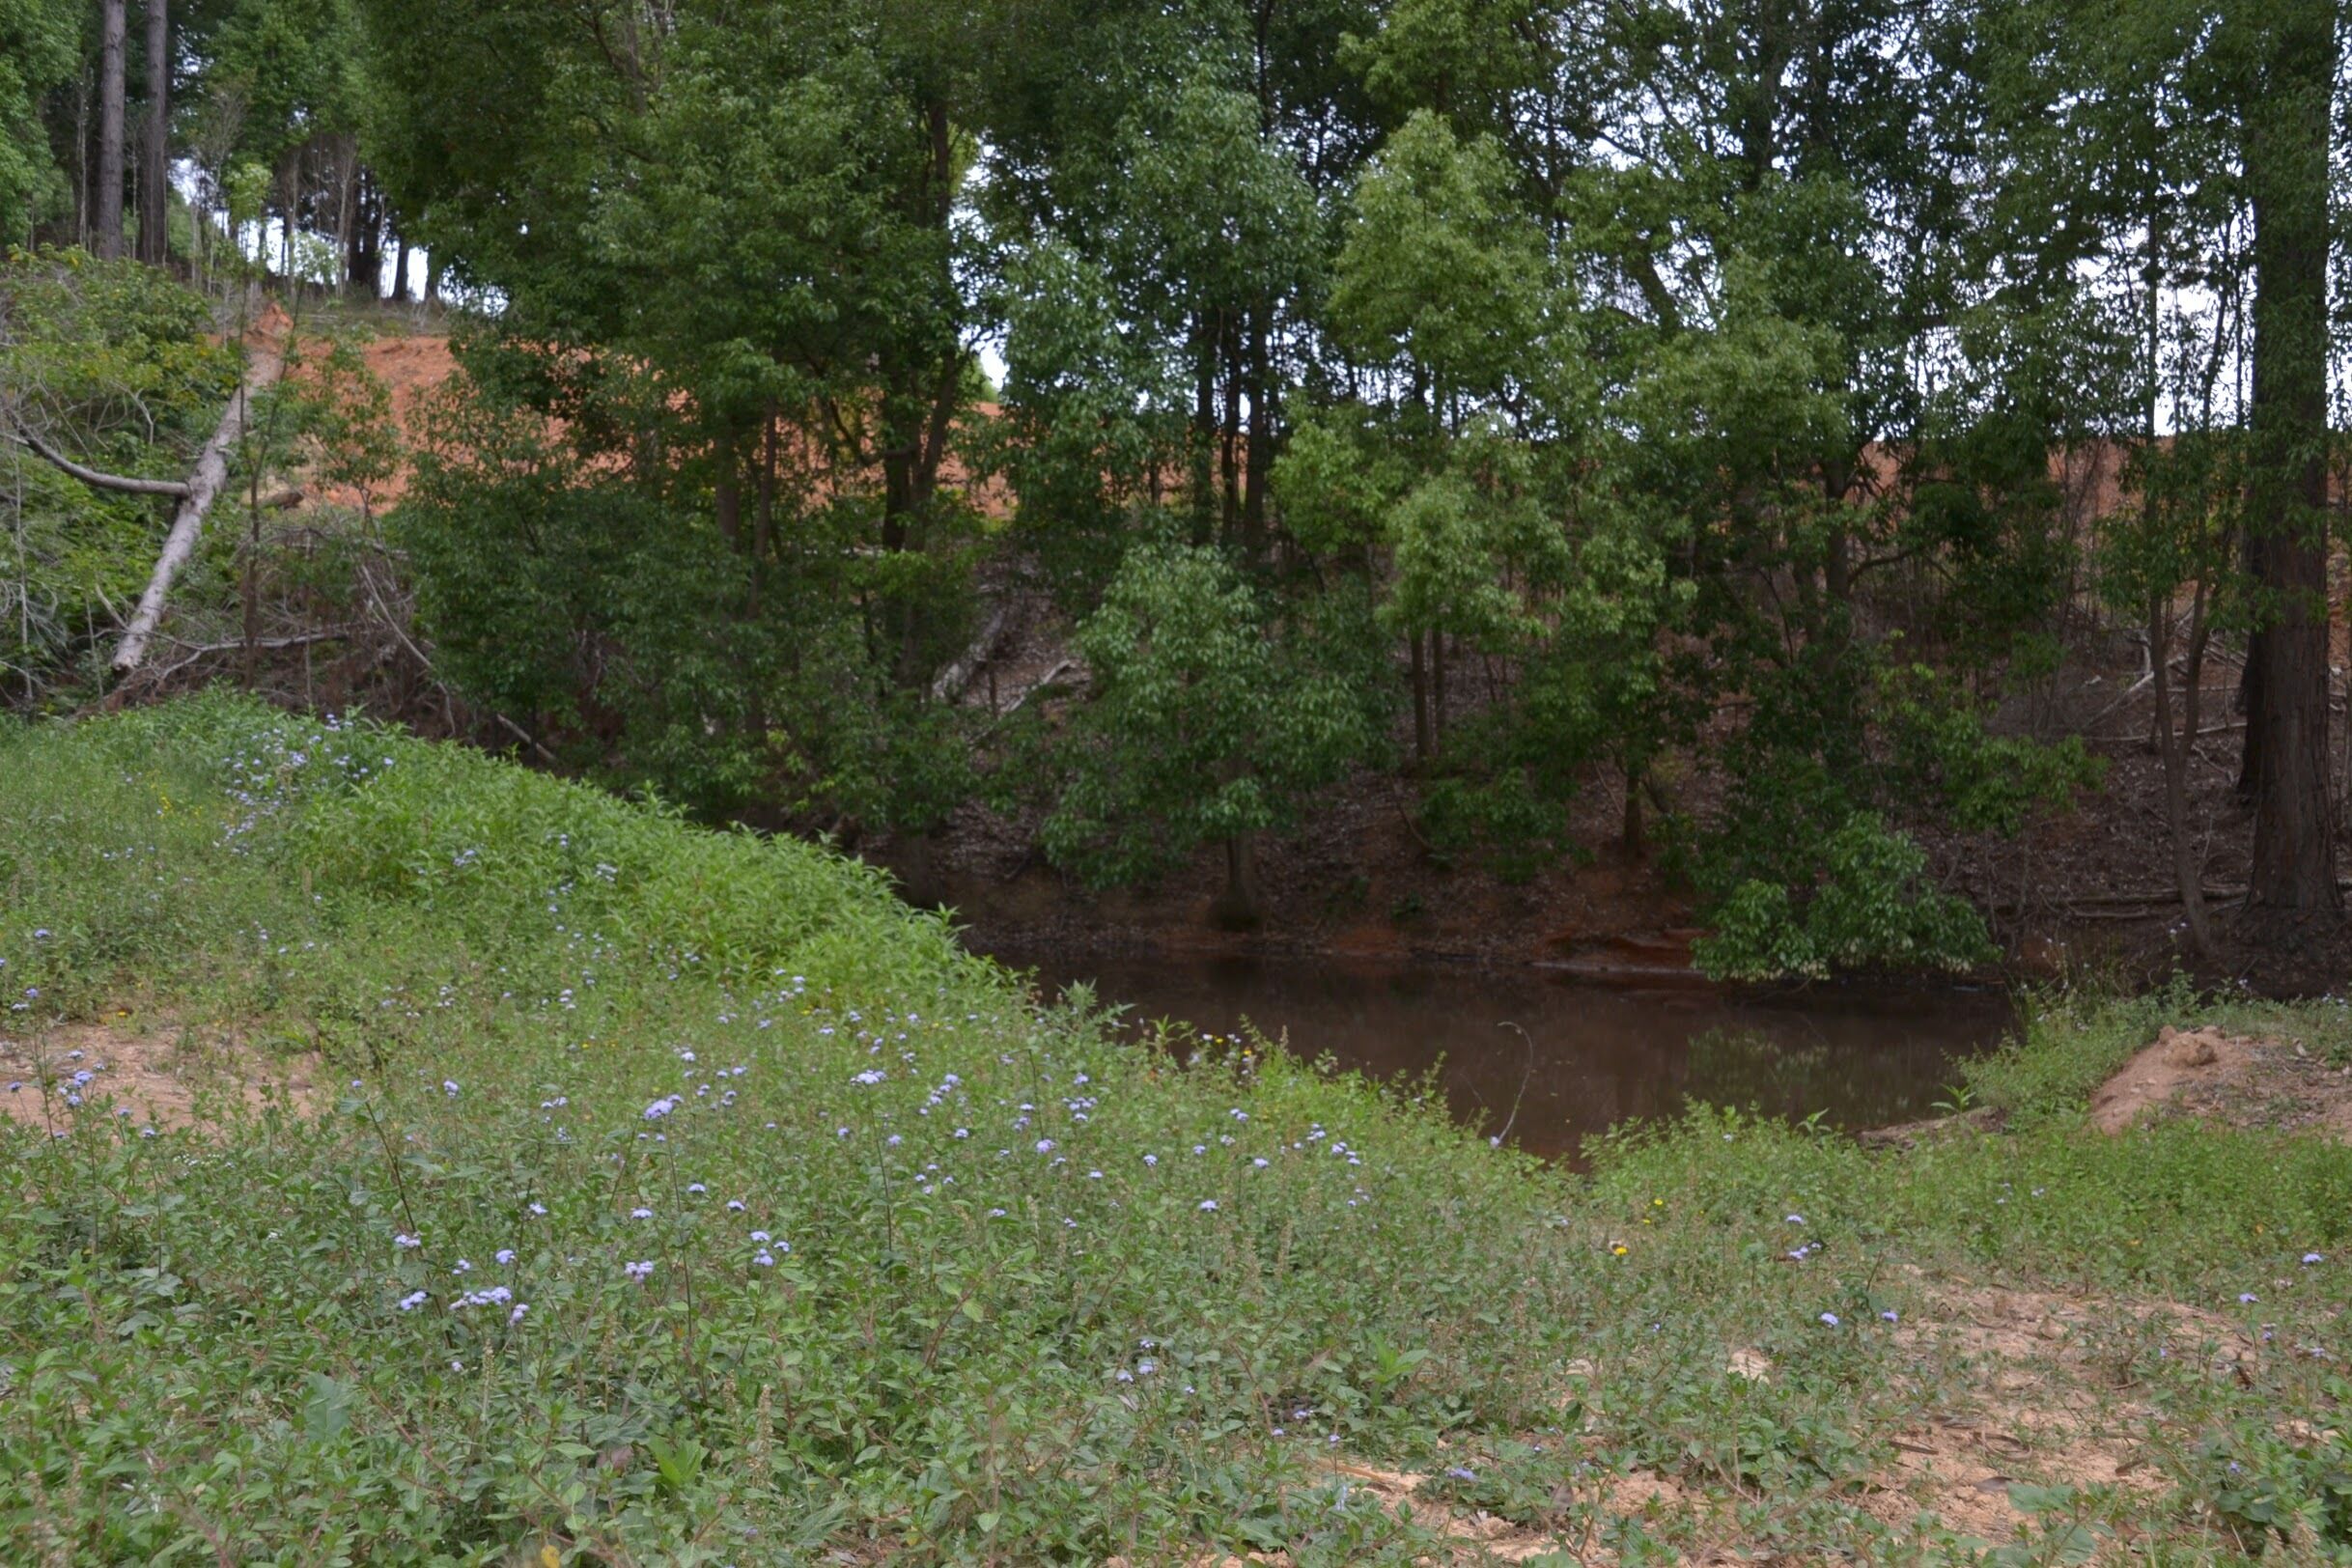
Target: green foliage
1441 269
294 70
572 606
696 509
1871 908
952 1341
341 425
39 50
1981 782
1205 724
2284 1490
1503 812
112 363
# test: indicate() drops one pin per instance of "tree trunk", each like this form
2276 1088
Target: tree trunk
400 271
93 477
2250 684
727 496
211 472
2286 164
1423 742
1257 456
1635 841
1240 906
1204 427
1437 687
112 22
154 151
2187 874
763 510
358 217
1229 434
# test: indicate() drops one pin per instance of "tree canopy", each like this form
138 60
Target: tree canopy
1522 396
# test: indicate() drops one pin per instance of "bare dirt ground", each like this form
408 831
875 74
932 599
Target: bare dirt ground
157 1073
2242 1081
2040 1407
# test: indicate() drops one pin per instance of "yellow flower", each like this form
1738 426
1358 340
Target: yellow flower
1620 1250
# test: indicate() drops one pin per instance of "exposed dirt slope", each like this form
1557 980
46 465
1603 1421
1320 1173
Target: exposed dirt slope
2233 1078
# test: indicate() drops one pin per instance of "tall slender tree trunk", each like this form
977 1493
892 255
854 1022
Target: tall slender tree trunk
1437 687
81 159
2286 166
1204 427
2188 872
1425 742
155 147
112 23
1229 432
1257 457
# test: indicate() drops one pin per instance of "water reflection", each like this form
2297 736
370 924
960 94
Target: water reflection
1576 1058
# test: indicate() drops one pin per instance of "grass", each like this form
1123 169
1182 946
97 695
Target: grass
832 1243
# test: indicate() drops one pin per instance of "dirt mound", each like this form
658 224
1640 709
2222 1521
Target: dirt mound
153 1072
2238 1079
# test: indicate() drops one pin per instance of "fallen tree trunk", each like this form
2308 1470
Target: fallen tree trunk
188 521
126 484
949 687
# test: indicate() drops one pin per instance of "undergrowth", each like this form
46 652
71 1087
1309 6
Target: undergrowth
687 1198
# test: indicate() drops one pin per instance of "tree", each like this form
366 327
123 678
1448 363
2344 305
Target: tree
1440 293
2291 50
39 51
154 141
1204 725
740 306
107 227
111 364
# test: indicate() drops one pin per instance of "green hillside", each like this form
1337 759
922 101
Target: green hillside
660 1196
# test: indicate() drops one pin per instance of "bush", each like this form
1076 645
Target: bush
1872 908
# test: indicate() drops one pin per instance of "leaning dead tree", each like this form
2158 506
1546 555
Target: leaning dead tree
195 494
210 475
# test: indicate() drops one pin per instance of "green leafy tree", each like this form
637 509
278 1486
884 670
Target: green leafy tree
39 50
737 306
1204 726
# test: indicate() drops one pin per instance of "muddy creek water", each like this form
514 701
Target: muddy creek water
1560 1060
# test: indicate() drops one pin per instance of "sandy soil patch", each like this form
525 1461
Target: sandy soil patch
2238 1079
163 1073
2045 1407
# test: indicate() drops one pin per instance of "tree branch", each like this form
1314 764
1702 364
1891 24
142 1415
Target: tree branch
93 477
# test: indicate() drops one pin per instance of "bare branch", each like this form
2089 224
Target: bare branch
93 477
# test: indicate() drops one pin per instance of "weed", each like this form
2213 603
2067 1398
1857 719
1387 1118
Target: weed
684 1197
